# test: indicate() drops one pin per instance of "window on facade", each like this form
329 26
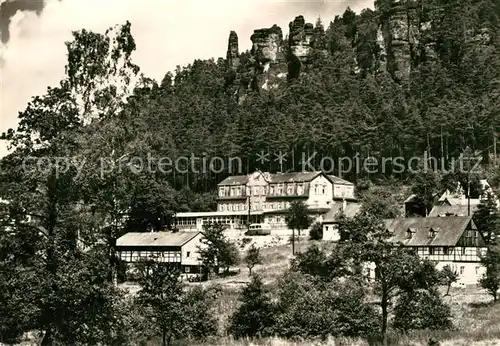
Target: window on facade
188 253
323 189
431 250
271 190
289 189
300 189
280 190
477 270
462 270
463 251
326 228
446 250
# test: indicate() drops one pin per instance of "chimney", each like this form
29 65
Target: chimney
344 205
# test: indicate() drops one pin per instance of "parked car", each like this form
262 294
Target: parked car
259 229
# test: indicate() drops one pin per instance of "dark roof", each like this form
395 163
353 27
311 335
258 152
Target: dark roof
352 209
272 178
448 230
285 196
411 199
226 198
337 180
284 178
235 180
292 177
457 210
155 238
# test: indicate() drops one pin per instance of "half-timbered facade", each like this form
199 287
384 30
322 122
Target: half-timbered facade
452 240
178 249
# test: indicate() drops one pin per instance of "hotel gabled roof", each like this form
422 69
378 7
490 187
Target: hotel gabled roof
283 178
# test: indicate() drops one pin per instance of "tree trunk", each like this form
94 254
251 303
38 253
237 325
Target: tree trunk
293 241
47 338
448 289
384 303
164 338
249 271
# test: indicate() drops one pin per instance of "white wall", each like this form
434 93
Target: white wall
191 248
343 191
469 273
331 232
320 192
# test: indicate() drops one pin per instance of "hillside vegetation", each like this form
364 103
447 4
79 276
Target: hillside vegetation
108 151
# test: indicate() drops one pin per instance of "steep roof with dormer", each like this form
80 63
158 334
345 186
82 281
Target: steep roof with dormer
448 230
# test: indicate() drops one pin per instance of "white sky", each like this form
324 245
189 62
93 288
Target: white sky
167 33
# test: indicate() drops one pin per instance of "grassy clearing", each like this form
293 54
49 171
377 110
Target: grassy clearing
476 320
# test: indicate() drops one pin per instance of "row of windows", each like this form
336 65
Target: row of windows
462 270
186 221
224 220
272 190
254 206
275 219
448 250
231 191
167 256
232 207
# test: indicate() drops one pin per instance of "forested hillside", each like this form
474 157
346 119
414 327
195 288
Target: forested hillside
410 77
87 160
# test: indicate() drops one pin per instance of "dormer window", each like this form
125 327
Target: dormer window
410 232
432 233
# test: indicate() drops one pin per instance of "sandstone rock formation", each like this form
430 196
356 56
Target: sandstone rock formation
271 58
268 53
408 35
301 39
233 53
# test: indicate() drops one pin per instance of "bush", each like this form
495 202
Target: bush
308 309
311 262
422 309
255 316
316 232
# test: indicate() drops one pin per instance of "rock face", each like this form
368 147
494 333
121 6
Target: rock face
305 42
397 37
271 58
267 45
269 63
233 53
406 38
301 39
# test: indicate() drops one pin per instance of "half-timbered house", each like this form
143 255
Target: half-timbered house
452 240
